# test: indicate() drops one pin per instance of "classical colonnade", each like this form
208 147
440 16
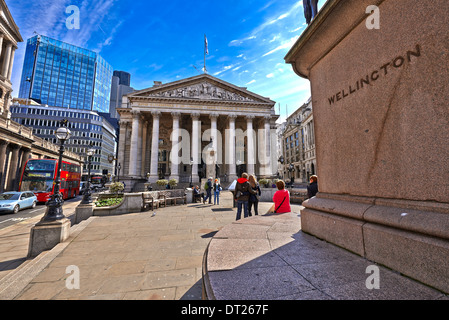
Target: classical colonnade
247 144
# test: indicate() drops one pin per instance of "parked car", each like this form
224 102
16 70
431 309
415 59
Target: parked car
12 202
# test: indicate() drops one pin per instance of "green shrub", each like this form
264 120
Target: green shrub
116 187
162 182
108 202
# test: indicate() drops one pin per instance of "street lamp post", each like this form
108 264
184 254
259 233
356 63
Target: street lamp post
281 161
291 168
54 205
119 166
87 197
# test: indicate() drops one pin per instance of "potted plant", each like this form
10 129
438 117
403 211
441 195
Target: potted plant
116 187
173 183
162 182
264 182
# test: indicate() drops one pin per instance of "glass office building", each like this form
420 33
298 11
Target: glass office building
59 74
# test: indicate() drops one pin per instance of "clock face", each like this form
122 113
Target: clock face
110 158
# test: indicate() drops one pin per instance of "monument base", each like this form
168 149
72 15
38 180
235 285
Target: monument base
83 212
411 237
44 236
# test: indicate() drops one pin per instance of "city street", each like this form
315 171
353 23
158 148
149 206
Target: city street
7 220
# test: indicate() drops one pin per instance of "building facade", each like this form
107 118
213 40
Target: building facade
17 142
9 37
63 81
181 129
299 145
59 74
87 127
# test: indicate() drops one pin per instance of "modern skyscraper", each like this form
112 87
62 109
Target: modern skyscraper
124 77
72 83
119 87
59 74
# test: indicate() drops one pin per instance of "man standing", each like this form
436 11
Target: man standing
208 187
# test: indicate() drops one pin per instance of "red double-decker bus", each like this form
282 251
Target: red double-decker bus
39 175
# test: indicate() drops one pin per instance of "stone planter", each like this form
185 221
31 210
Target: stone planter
132 202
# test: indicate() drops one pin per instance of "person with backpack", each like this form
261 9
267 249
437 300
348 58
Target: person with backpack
242 192
208 188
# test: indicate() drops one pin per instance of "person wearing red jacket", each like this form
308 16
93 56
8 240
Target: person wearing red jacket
281 199
242 192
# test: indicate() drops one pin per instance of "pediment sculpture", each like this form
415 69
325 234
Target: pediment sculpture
202 90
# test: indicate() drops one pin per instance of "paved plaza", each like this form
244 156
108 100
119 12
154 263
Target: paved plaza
131 256
158 255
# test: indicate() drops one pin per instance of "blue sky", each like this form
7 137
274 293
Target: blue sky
164 40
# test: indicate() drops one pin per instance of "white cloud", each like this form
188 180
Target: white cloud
252 81
285 45
239 42
270 75
225 68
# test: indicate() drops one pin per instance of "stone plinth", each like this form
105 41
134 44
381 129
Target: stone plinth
83 212
381 123
46 235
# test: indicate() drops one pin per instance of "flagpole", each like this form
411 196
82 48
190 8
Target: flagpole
205 52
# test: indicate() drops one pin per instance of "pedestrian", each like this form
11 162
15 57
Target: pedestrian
312 188
254 198
197 194
242 192
217 189
281 199
208 188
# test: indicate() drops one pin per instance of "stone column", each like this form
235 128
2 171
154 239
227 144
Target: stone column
11 61
5 68
214 135
232 172
1 43
121 146
26 152
174 157
133 153
250 145
144 147
148 149
195 146
13 164
154 147
3 147
266 152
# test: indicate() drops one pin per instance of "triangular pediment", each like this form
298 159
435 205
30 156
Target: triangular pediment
8 22
202 87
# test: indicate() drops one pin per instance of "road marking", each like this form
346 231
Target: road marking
20 219
6 220
36 210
